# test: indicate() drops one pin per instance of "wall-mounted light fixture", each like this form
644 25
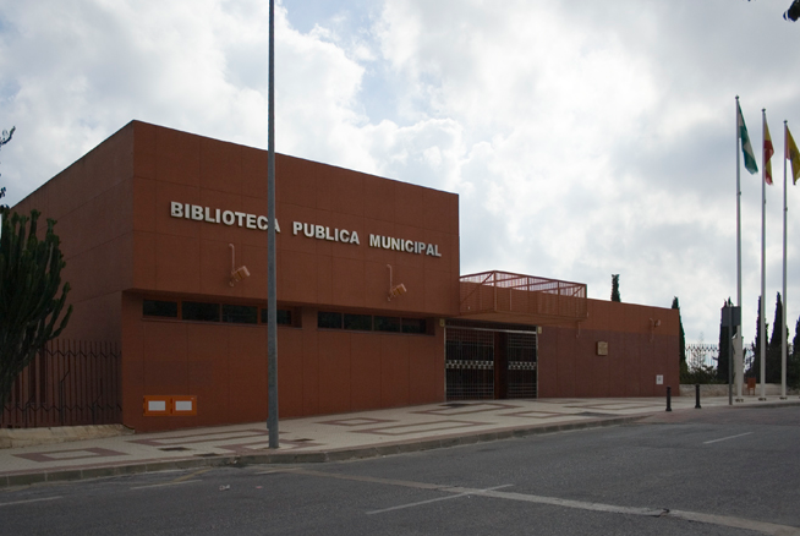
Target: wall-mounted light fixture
237 274
394 290
653 325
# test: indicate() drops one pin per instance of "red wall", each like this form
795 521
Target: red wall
570 367
122 244
320 371
193 257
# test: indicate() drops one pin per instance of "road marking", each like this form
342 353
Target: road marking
725 438
699 517
185 479
166 484
737 522
190 475
31 501
420 503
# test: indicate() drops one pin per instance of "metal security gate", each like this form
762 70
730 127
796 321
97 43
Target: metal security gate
521 356
482 363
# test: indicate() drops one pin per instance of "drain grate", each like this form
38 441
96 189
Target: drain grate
173 449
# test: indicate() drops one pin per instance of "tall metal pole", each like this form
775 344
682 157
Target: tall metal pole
738 356
785 214
763 327
272 300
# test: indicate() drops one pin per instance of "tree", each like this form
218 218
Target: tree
30 277
615 288
5 138
774 349
793 360
723 359
684 367
755 364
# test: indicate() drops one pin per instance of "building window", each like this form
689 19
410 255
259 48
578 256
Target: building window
284 317
415 325
165 309
387 323
203 312
329 320
358 322
240 314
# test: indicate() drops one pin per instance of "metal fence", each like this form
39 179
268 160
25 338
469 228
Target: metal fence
537 298
69 383
707 354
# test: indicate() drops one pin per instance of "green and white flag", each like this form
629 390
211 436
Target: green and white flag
747 149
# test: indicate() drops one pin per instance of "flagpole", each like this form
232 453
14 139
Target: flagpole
785 214
762 327
739 368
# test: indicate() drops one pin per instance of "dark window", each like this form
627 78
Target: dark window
284 317
240 314
168 309
359 322
387 323
415 325
205 312
329 320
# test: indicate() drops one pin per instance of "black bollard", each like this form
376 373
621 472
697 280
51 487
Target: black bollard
697 396
669 398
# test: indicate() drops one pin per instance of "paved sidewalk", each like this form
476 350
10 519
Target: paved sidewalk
334 437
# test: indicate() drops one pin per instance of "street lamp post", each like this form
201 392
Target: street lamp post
272 302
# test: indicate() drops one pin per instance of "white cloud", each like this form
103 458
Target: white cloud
584 138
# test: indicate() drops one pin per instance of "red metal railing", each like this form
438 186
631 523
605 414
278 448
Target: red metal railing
69 383
548 300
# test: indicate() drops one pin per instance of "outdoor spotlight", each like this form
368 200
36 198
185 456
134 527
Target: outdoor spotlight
397 290
394 290
239 274
793 13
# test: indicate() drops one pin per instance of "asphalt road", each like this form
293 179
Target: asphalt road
719 471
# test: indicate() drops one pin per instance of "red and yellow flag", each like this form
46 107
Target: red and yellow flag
793 155
768 152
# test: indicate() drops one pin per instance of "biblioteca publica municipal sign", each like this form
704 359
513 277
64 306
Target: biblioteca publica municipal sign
230 218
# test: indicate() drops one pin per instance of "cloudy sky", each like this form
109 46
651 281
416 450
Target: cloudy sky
584 138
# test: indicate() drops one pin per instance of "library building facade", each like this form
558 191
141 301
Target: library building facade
164 234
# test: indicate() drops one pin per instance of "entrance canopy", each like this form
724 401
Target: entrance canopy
521 299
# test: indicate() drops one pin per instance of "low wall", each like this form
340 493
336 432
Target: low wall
716 389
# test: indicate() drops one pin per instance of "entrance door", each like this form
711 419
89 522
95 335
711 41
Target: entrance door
486 364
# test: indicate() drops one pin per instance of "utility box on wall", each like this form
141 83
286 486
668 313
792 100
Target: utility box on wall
602 348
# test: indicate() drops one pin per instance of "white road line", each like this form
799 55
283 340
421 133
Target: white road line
420 503
725 438
31 501
711 519
165 484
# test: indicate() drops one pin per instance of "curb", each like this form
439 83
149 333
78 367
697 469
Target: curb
277 458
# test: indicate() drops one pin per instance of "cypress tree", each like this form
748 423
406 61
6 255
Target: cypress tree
774 349
723 359
793 360
615 288
684 367
755 364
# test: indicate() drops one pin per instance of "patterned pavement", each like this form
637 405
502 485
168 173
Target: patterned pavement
321 438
